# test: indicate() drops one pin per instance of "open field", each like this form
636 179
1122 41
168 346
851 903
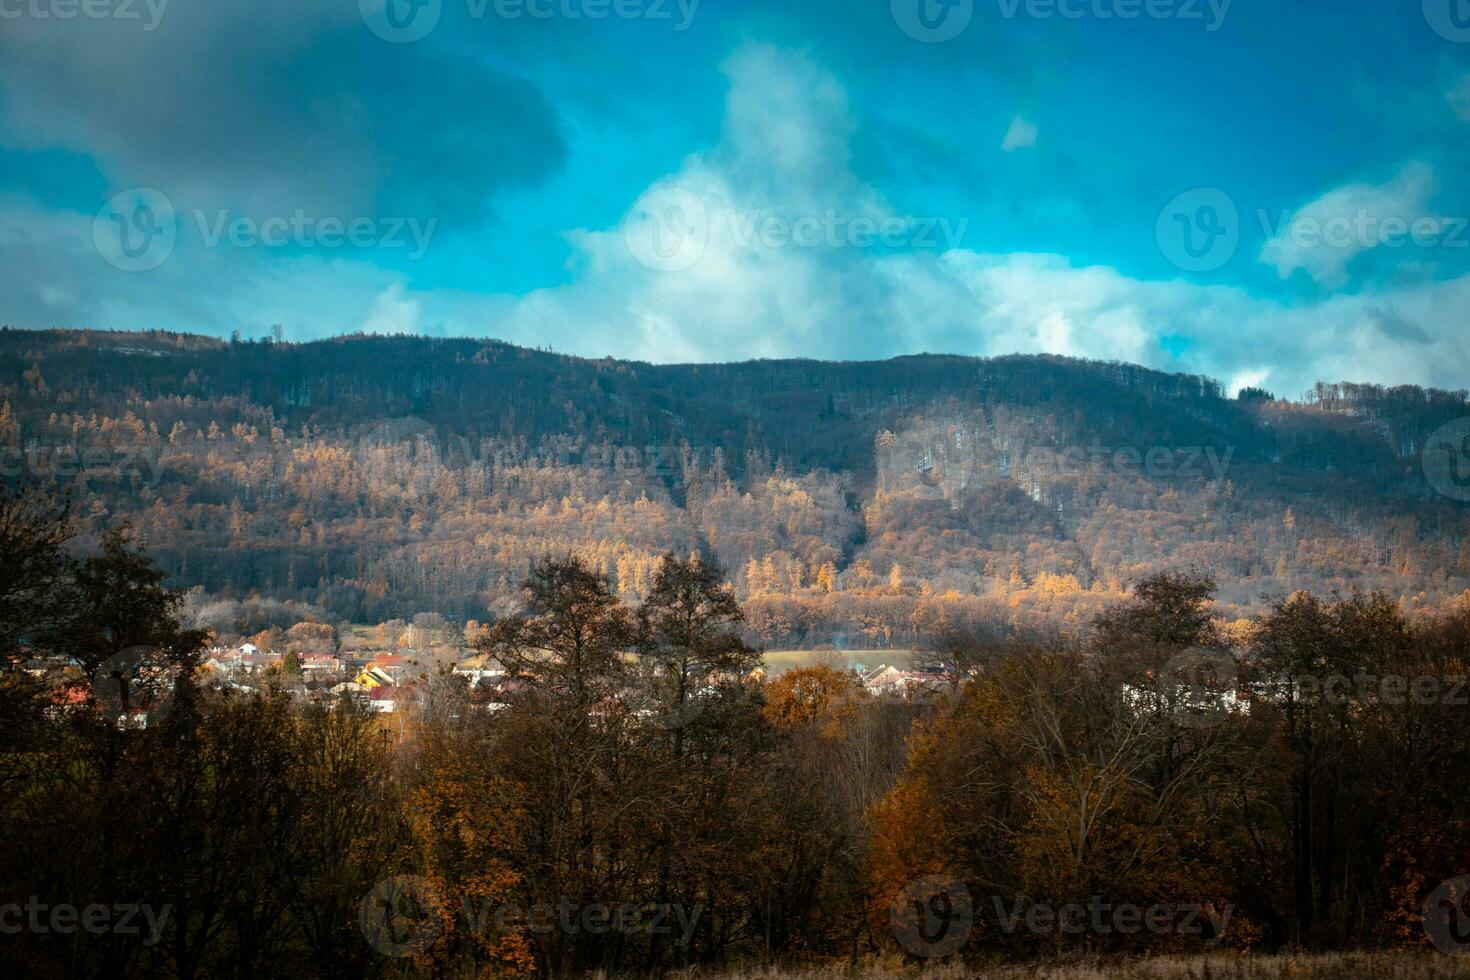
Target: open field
780 661
1330 966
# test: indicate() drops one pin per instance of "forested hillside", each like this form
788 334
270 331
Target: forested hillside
864 502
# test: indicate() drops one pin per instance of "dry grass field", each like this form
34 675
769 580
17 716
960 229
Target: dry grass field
1331 966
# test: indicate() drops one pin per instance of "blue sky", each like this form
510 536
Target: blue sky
1267 192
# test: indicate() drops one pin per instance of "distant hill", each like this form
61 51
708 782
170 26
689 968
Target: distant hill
371 477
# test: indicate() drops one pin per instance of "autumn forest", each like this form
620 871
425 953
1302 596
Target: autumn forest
854 504
1185 686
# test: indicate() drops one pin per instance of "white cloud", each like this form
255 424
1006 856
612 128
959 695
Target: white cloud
786 120
1322 237
1249 378
1021 134
392 312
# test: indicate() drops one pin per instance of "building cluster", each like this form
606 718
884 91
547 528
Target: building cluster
888 680
384 682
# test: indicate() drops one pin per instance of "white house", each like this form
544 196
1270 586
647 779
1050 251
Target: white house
479 668
883 679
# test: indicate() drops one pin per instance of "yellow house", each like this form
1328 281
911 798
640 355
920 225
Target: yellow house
373 677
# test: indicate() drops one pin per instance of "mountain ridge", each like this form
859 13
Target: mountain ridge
368 476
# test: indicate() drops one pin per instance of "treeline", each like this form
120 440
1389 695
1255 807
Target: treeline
373 478
634 798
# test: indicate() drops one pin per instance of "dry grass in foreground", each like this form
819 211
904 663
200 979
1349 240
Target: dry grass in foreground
1330 966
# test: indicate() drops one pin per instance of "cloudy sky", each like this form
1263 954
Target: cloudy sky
1267 191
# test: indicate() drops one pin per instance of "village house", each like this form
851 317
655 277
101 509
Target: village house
320 663
246 659
399 668
46 666
387 700
887 679
68 699
373 678
479 668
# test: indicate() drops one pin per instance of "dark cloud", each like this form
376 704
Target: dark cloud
277 105
1396 327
